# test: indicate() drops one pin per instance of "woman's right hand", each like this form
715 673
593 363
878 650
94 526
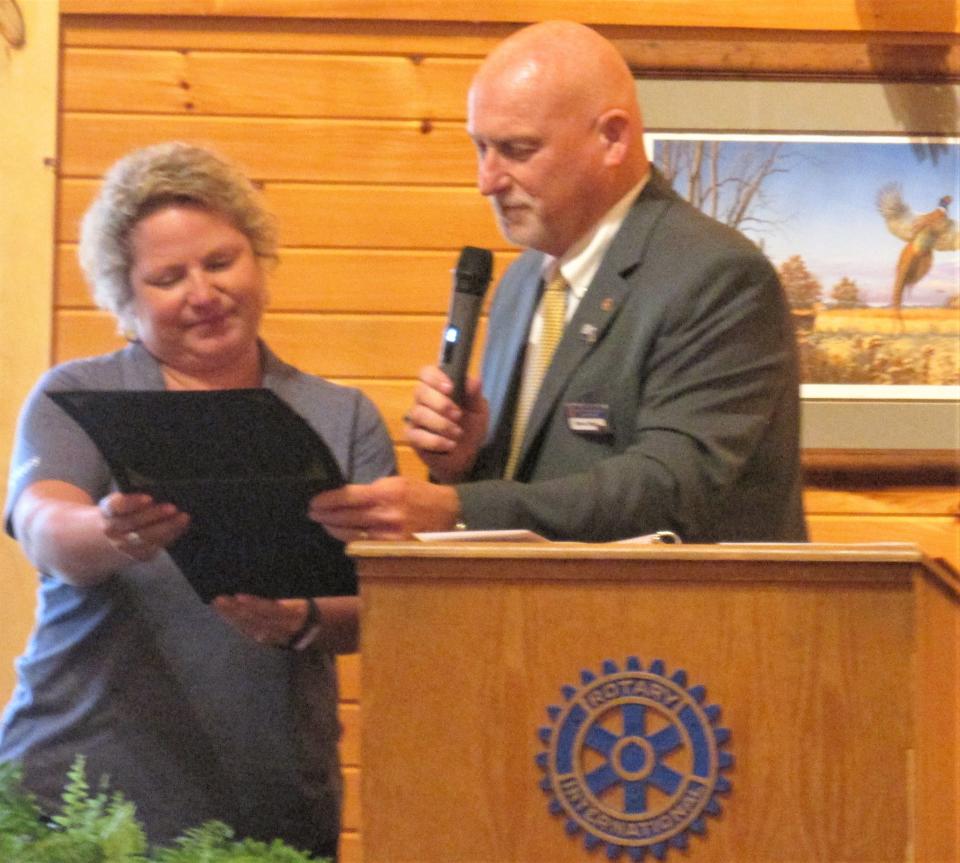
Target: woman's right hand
139 527
65 532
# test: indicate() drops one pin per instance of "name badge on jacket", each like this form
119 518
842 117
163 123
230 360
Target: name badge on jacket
588 418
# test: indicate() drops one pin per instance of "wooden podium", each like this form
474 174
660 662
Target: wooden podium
541 703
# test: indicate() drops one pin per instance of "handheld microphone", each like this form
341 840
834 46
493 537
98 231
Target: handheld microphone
470 281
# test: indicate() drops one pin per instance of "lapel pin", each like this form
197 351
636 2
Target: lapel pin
607 304
588 332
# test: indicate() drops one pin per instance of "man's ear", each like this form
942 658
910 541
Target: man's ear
616 135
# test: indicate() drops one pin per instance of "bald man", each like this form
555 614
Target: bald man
671 401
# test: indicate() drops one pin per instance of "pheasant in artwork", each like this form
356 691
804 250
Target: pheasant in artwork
924 234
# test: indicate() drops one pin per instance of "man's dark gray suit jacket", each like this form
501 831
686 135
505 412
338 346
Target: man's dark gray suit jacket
684 339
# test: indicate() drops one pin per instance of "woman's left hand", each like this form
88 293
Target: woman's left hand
271 622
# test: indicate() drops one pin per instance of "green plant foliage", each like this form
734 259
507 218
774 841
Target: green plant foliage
107 822
102 827
214 843
19 816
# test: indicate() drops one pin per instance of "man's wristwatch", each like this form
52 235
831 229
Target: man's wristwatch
307 634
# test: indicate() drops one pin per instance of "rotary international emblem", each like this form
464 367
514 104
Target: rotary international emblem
633 760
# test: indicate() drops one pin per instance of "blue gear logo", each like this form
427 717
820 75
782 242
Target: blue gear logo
633 760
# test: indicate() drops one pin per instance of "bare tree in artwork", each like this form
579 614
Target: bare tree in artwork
728 189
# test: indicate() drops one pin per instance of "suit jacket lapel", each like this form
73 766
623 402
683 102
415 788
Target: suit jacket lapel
601 304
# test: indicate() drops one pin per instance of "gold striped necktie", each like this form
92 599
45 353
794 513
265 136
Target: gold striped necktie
553 314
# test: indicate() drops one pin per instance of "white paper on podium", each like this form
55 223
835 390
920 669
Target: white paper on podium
661 536
481 536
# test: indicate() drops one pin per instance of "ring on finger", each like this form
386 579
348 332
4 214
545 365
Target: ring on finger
133 537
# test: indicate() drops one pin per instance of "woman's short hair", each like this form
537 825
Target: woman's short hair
151 178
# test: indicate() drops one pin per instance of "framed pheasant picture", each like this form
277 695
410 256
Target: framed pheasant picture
862 227
863 236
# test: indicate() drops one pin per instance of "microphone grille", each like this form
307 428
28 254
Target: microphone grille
474 266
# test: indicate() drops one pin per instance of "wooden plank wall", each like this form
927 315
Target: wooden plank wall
28 118
354 128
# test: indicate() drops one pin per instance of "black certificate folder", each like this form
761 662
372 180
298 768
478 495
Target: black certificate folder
244 465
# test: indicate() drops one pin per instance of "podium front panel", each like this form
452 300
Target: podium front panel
804 669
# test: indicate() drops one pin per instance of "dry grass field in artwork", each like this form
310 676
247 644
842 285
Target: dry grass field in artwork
915 346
